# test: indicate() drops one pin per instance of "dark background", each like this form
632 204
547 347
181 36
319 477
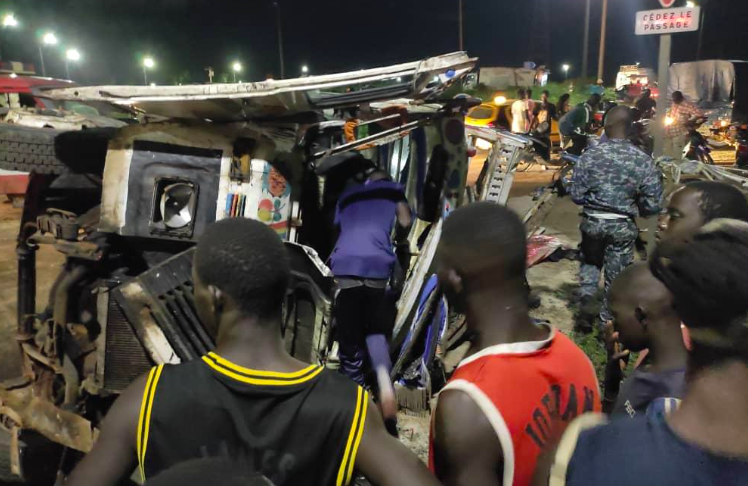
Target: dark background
186 36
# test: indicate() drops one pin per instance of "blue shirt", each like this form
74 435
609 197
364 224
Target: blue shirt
643 387
617 177
366 215
644 452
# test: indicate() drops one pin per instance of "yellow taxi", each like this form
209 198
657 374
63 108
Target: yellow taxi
498 114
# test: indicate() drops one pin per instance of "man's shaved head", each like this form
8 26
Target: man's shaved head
618 122
482 249
641 305
484 238
637 283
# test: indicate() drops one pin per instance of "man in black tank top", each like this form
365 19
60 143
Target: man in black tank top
249 401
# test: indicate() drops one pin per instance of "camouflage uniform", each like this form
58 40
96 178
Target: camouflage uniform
615 182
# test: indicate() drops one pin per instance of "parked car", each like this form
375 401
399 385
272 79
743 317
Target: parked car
498 114
137 198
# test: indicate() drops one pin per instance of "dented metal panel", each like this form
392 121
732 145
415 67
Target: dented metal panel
276 98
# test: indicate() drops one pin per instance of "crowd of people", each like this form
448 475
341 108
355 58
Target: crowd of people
524 405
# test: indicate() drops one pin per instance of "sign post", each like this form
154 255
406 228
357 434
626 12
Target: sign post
665 22
663 80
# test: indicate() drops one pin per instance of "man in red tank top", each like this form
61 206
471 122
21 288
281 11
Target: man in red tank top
521 383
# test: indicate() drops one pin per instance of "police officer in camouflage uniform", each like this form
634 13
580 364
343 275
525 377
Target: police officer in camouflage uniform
615 182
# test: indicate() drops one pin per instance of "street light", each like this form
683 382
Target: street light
48 39
304 70
9 20
148 63
236 68
71 55
566 68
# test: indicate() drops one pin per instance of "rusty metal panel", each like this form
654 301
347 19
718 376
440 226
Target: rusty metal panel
58 425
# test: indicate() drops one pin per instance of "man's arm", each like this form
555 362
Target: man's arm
579 181
385 461
114 456
466 449
404 215
650 191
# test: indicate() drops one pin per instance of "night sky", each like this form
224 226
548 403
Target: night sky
186 36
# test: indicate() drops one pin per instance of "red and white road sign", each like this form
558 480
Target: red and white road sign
667 3
667 21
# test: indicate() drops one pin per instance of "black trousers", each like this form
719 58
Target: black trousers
578 144
359 312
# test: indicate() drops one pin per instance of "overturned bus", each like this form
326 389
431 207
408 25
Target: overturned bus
126 206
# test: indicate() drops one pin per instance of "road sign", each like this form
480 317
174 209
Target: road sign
667 3
667 21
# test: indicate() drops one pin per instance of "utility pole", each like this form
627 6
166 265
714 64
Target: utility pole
701 31
663 69
586 41
603 28
462 43
280 39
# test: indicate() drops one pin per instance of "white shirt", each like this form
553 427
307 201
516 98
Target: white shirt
519 116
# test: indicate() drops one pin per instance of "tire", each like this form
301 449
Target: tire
29 149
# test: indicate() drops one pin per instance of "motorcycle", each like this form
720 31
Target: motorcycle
697 147
642 135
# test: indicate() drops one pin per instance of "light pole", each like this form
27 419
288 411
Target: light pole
236 68
701 27
304 70
603 28
462 43
49 39
9 21
280 38
71 55
566 68
586 39
148 63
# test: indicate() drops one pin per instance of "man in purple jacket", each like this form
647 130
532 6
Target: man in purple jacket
362 262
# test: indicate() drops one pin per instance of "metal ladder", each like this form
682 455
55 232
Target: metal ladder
503 160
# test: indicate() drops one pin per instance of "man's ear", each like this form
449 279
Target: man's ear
641 316
216 299
686 337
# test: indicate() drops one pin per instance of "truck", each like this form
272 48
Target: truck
133 201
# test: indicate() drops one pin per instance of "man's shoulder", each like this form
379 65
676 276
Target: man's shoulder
382 189
338 387
622 149
570 354
608 440
670 382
